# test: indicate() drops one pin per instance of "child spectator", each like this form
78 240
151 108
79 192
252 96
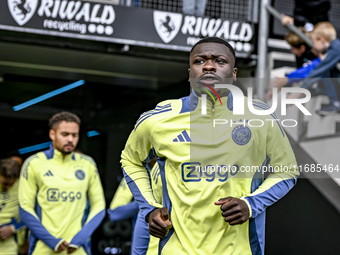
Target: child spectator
325 42
300 49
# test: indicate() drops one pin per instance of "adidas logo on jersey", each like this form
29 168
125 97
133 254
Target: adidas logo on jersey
48 173
182 137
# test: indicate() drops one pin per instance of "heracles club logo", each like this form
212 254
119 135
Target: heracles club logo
167 24
22 10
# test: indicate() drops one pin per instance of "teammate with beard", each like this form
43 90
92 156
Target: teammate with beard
55 186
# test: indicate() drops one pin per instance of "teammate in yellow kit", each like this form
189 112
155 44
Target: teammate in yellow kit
10 223
55 186
209 212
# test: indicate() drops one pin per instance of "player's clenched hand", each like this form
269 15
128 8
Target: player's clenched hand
159 222
70 250
5 232
62 246
234 210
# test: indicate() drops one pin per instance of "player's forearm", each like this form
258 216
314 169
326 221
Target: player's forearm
38 230
96 214
283 169
17 225
141 237
123 212
138 151
270 191
139 183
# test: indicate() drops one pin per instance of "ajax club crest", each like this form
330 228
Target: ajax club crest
167 24
22 10
241 135
80 174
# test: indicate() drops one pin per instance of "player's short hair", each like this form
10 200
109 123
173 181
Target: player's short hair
63 116
295 41
326 30
215 40
9 168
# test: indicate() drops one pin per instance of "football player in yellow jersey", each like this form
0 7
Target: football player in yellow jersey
218 212
55 187
9 210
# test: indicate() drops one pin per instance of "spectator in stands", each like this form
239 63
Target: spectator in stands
300 49
325 42
194 7
307 13
306 61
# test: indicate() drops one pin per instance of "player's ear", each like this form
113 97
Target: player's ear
52 134
235 73
189 74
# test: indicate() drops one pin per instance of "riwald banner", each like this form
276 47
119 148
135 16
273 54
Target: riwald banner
117 24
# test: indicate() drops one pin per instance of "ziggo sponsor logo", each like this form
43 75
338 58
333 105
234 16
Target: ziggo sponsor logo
195 172
55 195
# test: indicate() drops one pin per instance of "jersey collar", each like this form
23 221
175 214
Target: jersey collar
193 101
52 153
